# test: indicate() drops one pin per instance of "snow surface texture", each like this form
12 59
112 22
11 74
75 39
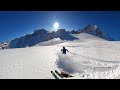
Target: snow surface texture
89 57
35 62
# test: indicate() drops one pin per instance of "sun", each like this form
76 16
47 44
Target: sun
56 25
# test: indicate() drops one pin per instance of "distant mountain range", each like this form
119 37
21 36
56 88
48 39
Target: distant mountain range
94 30
38 36
42 35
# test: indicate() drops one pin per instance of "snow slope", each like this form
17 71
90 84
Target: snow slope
88 57
51 42
35 62
91 57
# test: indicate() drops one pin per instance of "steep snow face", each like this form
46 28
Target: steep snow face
39 36
63 35
94 30
91 29
30 39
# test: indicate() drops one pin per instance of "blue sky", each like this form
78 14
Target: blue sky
17 23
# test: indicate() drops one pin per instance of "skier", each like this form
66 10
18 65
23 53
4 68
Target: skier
2 47
64 50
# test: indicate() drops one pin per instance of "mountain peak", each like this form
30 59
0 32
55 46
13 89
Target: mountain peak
39 31
92 26
61 30
63 35
95 30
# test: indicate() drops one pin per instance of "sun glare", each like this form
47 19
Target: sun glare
56 25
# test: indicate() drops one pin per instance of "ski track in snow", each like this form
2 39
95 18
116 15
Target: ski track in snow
88 68
103 62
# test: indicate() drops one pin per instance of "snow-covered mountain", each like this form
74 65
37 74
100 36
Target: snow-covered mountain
38 36
63 35
42 35
94 30
75 31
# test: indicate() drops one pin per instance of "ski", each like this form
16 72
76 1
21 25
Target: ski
59 74
55 76
64 75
